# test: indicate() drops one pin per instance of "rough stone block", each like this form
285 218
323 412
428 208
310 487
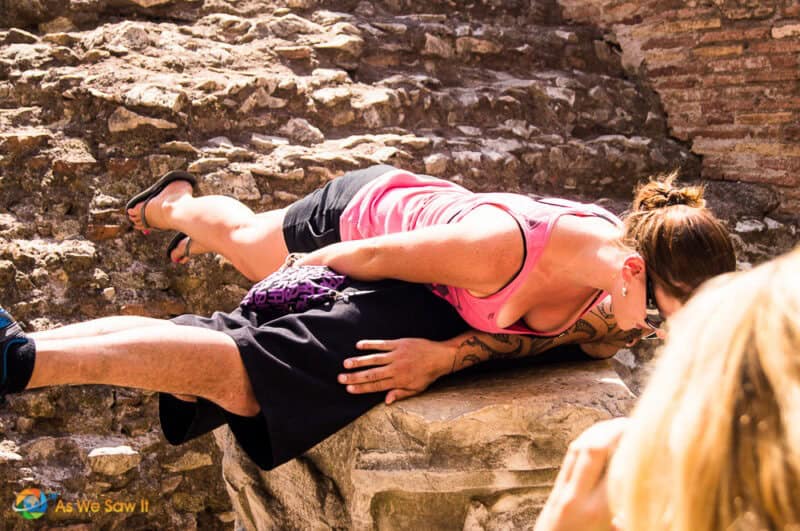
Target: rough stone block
477 448
114 461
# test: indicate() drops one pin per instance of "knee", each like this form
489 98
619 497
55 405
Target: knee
243 405
239 398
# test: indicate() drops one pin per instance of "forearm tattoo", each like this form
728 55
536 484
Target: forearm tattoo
598 325
483 346
585 327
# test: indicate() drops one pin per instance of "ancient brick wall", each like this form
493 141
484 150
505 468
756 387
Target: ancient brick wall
727 75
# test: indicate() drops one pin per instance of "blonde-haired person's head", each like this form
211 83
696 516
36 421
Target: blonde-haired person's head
714 442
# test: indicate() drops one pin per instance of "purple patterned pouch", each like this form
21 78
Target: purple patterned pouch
294 289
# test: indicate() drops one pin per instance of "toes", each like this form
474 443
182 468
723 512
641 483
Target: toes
176 255
135 218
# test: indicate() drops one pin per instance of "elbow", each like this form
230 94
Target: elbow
370 260
363 261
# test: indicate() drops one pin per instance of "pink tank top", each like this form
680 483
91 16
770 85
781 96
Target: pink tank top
401 201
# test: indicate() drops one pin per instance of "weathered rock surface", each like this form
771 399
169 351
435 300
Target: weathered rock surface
474 452
265 101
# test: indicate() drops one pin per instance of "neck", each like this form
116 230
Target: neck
598 263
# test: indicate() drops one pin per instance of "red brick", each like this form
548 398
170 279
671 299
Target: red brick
719 80
741 63
786 30
724 131
728 35
751 161
755 175
748 13
791 11
686 68
676 82
666 42
694 12
785 60
669 57
720 50
767 75
743 104
767 91
672 27
780 104
767 118
783 46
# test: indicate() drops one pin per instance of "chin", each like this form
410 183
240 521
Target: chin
623 325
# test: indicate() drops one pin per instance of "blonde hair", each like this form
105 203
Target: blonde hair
714 442
681 241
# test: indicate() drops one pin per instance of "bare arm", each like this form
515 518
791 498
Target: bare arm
480 253
406 367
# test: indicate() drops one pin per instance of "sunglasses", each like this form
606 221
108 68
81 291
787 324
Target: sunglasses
654 319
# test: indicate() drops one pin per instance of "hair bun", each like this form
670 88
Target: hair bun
661 192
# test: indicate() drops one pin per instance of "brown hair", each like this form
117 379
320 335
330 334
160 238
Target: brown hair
682 243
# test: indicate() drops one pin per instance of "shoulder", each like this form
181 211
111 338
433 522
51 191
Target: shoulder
491 221
570 229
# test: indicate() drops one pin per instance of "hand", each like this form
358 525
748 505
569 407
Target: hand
579 500
406 367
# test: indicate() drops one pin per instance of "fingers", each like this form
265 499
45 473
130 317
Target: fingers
589 453
369 360
367 376
588 470
399 394
376 344
371 387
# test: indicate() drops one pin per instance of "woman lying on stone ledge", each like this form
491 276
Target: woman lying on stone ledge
713 443
523 270
269 369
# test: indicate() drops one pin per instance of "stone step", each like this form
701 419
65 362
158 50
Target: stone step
583 105
515 11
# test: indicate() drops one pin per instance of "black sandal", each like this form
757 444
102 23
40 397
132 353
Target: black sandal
175 242
156 188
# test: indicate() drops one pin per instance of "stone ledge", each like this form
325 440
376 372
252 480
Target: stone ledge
478 451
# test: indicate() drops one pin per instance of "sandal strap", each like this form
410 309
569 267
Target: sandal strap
142 213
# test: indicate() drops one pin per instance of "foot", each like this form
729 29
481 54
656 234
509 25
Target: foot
181 252
153 213
182 247
17 350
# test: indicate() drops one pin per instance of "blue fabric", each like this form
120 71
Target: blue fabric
15 341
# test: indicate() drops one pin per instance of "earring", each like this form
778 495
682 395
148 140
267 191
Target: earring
624 291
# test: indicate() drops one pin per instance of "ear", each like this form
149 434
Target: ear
632 267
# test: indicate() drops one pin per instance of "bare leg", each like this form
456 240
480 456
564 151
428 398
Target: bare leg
105 325
177 359
253 243
98 327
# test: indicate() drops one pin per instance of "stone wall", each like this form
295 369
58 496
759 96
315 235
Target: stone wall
726 72
265 101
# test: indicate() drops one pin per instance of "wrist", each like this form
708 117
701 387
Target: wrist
446 360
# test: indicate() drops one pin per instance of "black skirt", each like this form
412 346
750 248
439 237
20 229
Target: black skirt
293 361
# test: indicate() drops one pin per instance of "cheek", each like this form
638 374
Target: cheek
627 319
